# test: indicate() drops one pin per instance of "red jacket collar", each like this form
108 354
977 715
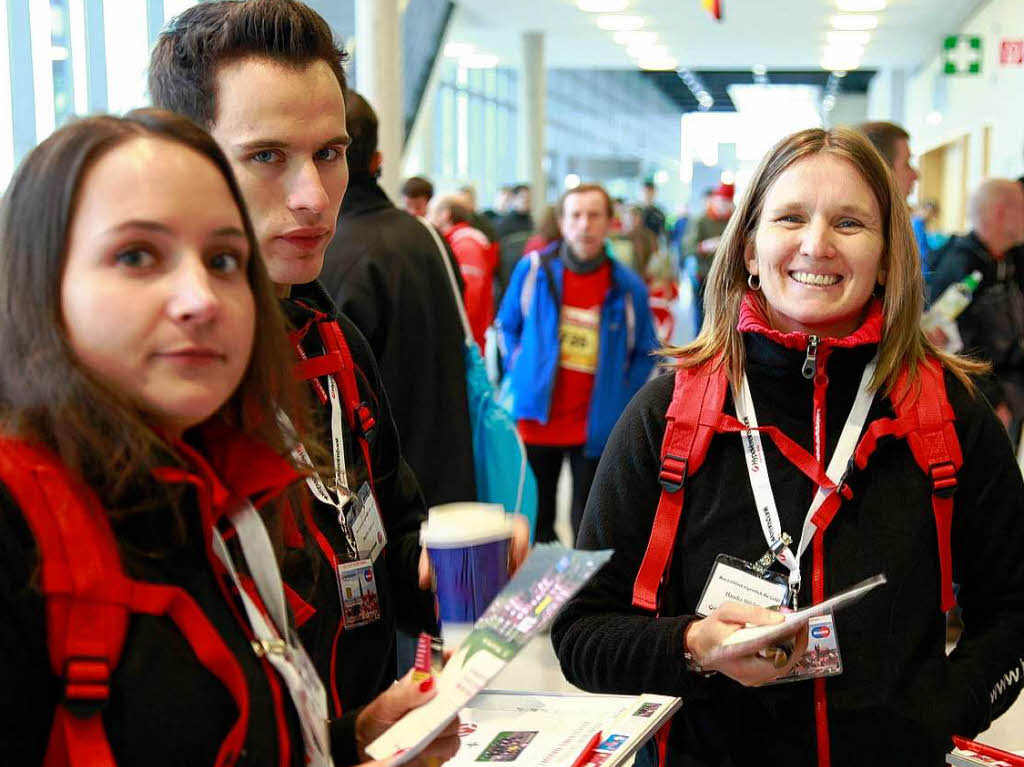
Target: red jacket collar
754 319
233 465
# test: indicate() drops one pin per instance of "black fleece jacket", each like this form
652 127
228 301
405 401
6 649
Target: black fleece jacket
165 708
899 698
363 660
385 273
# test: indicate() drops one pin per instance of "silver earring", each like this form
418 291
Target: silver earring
751 284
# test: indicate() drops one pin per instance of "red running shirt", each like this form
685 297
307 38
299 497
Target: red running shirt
579 334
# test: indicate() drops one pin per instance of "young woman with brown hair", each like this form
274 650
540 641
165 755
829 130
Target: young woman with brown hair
145 362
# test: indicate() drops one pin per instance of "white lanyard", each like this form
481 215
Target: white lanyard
273 637
316 485
757 469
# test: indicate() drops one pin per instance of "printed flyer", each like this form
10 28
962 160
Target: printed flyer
558 730
546 581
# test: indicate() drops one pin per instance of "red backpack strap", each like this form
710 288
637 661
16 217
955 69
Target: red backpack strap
697 401
358 414
86 598
932 440
88 601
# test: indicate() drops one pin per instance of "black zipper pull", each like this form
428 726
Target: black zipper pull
811 362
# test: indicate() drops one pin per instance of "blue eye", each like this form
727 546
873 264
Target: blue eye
264 156
135 258
329 154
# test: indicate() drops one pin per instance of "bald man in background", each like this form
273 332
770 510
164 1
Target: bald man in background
992 326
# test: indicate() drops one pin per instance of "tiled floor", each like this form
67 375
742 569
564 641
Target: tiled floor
536 667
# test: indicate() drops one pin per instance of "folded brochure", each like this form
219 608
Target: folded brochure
551 575
747 640
558 729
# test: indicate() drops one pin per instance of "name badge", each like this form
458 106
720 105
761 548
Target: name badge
365 522
822 657
733 580
359 593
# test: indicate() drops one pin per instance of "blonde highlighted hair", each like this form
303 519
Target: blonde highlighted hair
902 342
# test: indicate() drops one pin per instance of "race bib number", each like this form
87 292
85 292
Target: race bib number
579 337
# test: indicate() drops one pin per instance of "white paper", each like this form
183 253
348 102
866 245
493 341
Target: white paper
747 640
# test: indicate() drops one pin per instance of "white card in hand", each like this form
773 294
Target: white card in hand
747 640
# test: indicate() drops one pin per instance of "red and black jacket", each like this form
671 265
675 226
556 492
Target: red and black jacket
899 698
167 667
359 663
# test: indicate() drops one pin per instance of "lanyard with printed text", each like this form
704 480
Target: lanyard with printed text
760 484
274 640
341 494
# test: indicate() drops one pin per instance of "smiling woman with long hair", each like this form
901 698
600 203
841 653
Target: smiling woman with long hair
810 383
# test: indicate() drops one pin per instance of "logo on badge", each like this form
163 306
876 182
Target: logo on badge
821 632
368 575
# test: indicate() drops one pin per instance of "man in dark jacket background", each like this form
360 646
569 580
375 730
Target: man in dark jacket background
384 271
992 326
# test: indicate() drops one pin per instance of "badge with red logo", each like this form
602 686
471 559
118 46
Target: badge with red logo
822 657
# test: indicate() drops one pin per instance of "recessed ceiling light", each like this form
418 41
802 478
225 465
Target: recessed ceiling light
619 23
854 22
658 62
845 38
861 6
647 51
840 63
602 6
635 38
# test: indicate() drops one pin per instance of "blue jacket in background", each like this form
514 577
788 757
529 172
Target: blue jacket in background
528 323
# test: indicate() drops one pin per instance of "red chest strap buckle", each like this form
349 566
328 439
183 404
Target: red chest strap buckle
673 473
943 477
364 417
86 685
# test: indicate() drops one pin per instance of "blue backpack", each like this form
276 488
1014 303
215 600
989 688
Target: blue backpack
503 474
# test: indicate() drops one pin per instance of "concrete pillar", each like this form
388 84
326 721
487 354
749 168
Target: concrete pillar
533 96
378 54
886 93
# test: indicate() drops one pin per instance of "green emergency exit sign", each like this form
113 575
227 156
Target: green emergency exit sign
961 55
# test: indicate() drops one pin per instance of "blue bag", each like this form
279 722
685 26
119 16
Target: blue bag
503 474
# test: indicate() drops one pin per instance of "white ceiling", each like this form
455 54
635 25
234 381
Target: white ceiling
780 34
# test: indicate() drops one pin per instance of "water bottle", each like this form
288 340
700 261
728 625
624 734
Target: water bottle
952 302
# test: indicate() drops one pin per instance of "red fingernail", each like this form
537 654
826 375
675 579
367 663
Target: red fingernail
427 685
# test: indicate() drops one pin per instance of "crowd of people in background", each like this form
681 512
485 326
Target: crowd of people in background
241 387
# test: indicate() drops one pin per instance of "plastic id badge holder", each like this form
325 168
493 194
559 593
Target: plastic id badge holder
734 580
822 657
359 593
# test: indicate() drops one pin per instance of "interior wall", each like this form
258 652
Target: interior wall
985 109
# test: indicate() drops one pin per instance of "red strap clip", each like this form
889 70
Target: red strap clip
943 476
86 685
673 473
365 419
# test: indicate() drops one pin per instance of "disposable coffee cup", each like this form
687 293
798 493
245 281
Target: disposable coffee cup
468 545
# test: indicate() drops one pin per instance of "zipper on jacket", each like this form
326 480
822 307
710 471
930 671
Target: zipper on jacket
818 373
811 361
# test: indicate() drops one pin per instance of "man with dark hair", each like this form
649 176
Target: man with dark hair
477 258
893 143
654 217
578 335
518 218
416 193
265 78
385 273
